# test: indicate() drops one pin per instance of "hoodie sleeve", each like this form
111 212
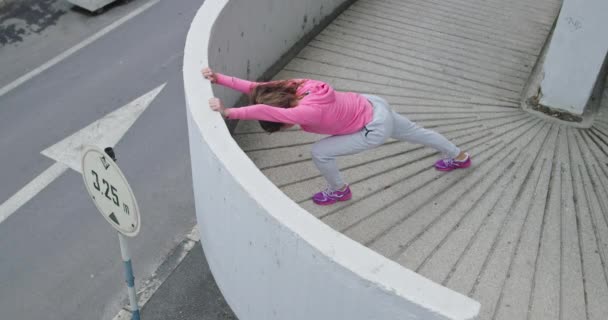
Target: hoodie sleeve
237 84
302 114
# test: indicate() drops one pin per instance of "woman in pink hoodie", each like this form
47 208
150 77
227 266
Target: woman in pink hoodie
355 123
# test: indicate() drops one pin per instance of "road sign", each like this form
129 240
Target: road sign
110 191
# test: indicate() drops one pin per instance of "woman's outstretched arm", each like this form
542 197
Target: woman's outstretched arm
302 114
234 83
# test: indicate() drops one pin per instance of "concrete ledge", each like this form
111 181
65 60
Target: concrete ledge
270 258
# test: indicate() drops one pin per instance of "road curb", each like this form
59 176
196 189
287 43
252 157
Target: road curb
150 285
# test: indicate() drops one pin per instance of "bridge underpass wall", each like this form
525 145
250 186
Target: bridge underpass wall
270 258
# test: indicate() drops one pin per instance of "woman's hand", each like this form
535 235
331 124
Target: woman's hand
216 105
209 75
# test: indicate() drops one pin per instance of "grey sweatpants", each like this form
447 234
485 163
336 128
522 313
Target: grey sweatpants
385 123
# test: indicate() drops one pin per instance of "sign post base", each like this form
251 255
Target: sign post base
129 276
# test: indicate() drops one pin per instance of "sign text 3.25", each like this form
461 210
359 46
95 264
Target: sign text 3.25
106 188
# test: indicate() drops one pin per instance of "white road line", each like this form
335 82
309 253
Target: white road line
75 48
30 190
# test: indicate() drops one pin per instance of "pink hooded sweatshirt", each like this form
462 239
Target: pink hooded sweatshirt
321 110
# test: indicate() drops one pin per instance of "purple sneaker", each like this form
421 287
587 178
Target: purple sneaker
328 196
451 164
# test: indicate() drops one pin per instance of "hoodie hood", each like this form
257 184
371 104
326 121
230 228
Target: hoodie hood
316 92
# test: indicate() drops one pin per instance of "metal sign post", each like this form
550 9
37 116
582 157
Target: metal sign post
114 198
129 277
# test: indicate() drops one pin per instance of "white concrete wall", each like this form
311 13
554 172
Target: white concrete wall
270 258
575 55
250 36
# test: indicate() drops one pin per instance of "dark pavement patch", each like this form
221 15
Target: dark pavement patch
22 18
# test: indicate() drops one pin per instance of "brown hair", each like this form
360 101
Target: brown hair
280 94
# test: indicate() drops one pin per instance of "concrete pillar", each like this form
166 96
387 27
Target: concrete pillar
575 56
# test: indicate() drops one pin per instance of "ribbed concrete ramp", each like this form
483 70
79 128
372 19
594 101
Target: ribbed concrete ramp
525 229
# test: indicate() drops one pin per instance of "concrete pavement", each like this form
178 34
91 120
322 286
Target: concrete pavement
58 253
190 293
58 257
524 229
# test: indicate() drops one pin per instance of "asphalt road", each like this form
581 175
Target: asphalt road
59 259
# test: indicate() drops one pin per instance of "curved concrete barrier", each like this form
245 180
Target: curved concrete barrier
270 258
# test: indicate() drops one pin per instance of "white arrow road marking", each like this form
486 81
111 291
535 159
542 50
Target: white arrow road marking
31 189
105 132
